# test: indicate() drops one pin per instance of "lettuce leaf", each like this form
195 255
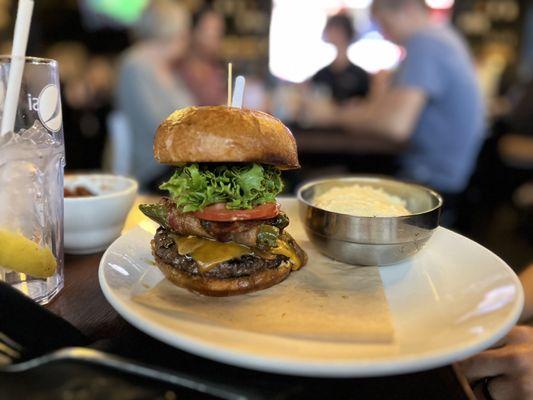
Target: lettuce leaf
196 186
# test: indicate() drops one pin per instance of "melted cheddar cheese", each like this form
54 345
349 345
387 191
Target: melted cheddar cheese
210 253
285 249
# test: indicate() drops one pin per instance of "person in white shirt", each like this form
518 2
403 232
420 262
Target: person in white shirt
149 84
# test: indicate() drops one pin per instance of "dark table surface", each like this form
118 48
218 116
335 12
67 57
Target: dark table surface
83 304
338 141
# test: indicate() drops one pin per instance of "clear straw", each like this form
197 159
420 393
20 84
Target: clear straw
18 54
238 92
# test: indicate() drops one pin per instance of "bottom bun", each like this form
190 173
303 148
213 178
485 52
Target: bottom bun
224 287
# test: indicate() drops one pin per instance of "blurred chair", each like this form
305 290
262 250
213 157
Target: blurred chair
119 147
516 150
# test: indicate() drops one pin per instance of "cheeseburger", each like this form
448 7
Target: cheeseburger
222 232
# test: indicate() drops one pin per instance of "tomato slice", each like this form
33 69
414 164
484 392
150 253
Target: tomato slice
219 212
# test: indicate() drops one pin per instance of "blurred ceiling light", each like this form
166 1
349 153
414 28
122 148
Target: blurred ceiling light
440 4
124 11
373 53
347 3
359 3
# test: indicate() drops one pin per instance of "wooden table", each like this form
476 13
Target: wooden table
82 304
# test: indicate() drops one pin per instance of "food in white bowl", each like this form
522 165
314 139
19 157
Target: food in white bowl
96 207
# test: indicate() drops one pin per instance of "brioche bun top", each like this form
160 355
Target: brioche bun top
224 134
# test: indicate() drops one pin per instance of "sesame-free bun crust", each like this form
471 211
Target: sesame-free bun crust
224 287
224 134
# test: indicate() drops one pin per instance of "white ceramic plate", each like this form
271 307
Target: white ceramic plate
454 299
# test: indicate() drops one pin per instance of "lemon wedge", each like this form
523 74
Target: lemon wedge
20 254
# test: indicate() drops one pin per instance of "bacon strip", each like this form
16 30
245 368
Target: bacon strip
187 224
243 232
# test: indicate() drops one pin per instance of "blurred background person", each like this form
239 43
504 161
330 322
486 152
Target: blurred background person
150 85
203 69
343 79
433 109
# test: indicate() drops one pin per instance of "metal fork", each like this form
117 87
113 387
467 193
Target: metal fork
9 350
12 361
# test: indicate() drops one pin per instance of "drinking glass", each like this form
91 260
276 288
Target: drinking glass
32 160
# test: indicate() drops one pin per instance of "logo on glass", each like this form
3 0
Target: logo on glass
48 106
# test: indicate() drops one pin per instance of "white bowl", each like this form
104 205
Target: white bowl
92 223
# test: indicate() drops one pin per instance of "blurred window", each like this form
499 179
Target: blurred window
297 50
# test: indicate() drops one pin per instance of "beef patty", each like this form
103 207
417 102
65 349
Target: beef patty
164 247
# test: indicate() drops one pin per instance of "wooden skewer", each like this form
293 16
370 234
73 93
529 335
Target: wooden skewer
230 79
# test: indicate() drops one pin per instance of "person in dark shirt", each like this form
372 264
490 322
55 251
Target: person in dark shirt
344 79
